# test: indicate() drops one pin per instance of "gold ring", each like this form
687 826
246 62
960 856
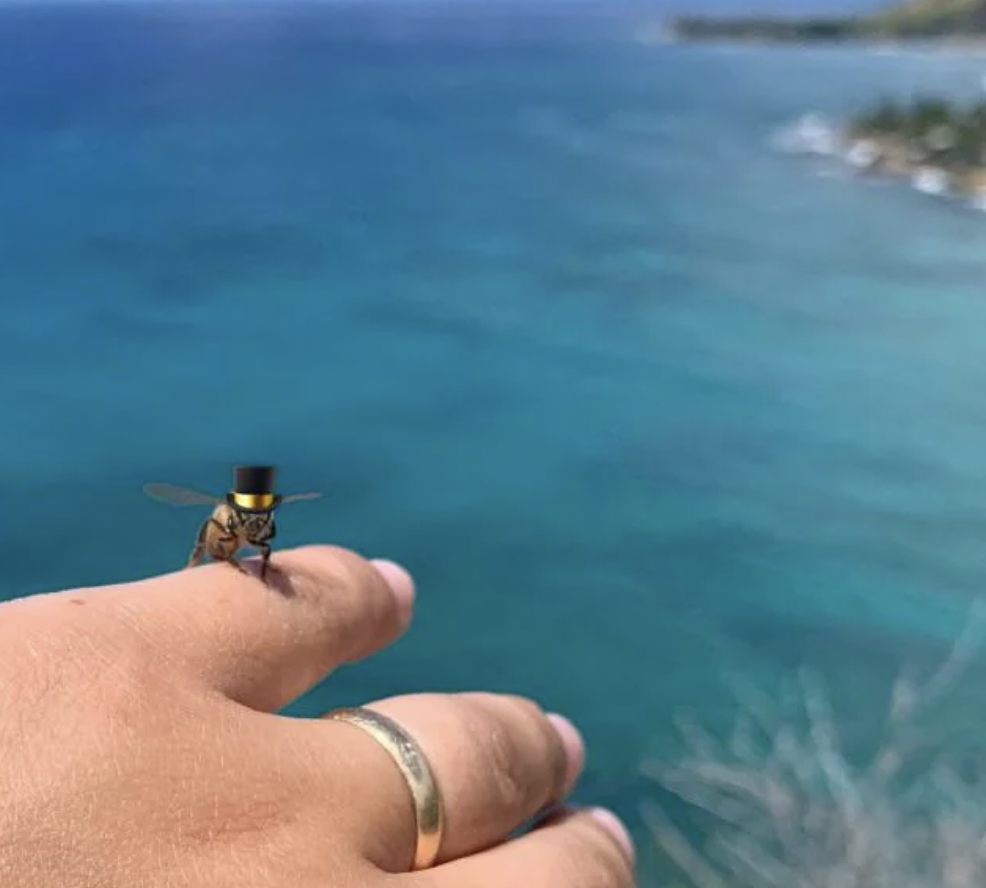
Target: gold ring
407 755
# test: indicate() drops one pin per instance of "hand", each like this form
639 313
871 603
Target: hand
139 745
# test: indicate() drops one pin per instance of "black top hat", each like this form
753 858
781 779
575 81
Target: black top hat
253 488
254 479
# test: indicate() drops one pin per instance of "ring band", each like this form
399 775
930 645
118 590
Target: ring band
407 755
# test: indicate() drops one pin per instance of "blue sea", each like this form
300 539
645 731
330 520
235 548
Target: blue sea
645 405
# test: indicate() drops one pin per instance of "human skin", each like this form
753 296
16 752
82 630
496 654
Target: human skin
141 747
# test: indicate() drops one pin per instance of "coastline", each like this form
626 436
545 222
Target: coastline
883 156
897 27
888 148
882 45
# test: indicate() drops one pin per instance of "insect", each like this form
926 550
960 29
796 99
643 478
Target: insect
244 517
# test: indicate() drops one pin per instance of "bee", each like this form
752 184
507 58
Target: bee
244 517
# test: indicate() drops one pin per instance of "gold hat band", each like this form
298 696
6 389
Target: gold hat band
408 756
254 500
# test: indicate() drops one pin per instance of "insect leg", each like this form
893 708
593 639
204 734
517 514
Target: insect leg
265 559
199 551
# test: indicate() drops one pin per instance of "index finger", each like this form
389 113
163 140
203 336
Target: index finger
264 643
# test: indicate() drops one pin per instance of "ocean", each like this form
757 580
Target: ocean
646 405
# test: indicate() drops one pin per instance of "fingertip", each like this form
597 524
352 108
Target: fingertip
574 745
616 828
401 584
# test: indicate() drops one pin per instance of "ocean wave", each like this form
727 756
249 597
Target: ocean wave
809 134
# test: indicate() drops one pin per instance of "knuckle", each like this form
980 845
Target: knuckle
518 747
350 597
523 714
578 869
337 573
542 744
508 778
596 856
543 738
330 564
525 709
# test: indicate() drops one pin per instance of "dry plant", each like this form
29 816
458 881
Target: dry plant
790 810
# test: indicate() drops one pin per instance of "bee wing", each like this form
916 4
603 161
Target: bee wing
179 496
295 497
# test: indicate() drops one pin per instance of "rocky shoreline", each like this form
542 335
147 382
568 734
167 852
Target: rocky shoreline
889 155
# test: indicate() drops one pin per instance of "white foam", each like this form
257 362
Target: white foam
813 134
809 134
930 181
862 154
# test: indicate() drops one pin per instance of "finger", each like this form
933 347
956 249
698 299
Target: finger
265 644
584 849
497 761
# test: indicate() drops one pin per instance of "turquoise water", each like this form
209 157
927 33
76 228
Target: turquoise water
643 404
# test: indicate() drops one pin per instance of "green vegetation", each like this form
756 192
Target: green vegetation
930 18
901 139
915 19
763 29
931 132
